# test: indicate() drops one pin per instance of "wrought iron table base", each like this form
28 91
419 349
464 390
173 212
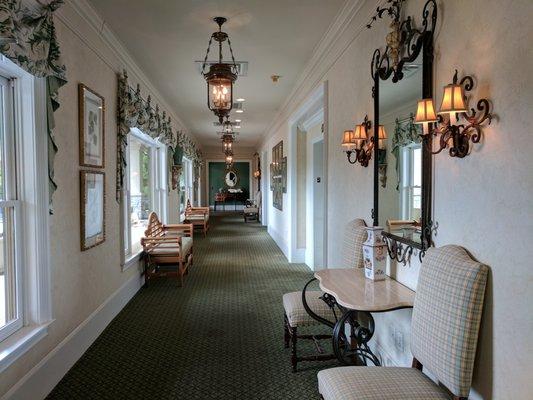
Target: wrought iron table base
351 332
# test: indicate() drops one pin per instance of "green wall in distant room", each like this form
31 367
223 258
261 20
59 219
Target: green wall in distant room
217 171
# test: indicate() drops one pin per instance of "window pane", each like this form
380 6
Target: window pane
417 166
417 199
3 124
140 190
8 287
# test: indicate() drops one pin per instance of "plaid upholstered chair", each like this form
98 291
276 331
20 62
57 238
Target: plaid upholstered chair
444 333
295 314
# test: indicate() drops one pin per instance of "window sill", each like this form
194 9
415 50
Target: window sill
20 342
131 261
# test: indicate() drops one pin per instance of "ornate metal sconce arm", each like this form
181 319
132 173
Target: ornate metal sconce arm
456 136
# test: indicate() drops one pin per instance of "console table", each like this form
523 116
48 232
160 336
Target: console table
352 299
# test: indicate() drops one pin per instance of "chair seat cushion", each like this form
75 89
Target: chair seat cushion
377 383
167 249
197 217
295 311
251 210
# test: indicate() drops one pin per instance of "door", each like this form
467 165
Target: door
318 204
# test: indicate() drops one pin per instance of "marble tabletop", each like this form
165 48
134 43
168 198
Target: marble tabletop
352 290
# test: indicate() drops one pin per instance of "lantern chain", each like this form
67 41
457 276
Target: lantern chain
207 53
232 57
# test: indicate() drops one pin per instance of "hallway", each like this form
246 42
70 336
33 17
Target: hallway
218 337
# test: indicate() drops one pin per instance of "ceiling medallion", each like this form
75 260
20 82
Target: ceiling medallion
221 76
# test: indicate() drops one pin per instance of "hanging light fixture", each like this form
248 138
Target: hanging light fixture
221 76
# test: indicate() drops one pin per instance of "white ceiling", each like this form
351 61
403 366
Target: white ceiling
276 37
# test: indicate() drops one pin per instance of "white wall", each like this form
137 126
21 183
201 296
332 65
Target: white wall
482 202
84 283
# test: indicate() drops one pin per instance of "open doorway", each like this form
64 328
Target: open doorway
308 183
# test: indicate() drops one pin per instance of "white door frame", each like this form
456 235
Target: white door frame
318 96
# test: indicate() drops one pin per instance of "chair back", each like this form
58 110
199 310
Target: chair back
354 237
446 315
155 227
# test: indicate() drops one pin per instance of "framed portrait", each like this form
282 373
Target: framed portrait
91 108
92 199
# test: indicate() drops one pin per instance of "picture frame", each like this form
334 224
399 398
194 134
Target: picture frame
91 113
92 208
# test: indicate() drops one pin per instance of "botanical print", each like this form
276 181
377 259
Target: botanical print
92 137
92 208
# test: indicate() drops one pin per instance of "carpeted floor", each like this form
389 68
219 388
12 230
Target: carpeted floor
218 337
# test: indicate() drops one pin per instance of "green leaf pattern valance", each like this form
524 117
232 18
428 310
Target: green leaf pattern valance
405 133
28 38
135 112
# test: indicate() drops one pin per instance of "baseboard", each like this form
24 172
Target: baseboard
280 241
43 377
298 256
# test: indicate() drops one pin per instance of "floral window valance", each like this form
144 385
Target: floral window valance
405 133
136 112
28 38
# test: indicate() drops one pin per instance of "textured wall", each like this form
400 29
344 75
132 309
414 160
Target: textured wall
482 202
81 281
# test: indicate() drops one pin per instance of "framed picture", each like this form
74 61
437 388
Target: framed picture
91 108
92 199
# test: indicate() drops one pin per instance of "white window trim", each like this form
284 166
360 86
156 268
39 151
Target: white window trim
188 180
407 174
32 155
129 260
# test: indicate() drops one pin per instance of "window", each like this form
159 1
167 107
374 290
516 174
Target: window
25 295
186 184
411 182
146 187
10 209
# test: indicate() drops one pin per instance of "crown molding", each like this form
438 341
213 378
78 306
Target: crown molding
118 57
325 54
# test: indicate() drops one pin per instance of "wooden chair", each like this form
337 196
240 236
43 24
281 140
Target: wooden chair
197 216
167 249
444 332
251 208
295 314
220 198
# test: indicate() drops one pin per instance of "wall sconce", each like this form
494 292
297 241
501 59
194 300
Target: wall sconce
358 143
257 174
453 134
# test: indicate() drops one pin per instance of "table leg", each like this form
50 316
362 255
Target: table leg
354 350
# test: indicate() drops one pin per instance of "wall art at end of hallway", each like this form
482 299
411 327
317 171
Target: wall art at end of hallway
278 176
92 208
91 113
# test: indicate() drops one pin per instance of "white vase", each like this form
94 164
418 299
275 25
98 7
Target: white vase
375 254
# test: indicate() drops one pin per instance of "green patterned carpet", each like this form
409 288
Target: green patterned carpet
218 337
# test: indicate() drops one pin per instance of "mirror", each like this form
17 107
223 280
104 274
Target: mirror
403 74
400 155
231 179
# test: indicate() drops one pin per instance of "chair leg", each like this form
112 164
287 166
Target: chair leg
286 333
294 357
180 274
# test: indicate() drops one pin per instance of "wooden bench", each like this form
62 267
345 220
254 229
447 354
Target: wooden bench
167 249
197 216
